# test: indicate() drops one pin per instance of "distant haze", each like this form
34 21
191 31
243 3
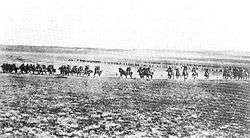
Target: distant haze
127 24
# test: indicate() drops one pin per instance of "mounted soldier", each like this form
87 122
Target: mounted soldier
62 69
185 72
73 70
177 73
170 72
206 74
22 68
125 72
32 68
79 71
44 69
97 71
51 69
227 73
87 71
14 68
129 72
68 69
145 72
194 72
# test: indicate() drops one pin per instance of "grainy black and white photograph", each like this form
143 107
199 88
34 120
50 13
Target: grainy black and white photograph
124 68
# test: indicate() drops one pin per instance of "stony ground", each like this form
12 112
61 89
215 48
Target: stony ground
52 107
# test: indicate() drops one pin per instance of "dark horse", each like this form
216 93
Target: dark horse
177 73
145 72
97 71
9 68
51 69
185 72
170 73
206 74
126 73
194 72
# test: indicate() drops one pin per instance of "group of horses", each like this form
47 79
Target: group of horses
79 71
237 73
143 72
41 69
176 72
148 73
28 68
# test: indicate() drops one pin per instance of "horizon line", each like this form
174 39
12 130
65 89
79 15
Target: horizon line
146 49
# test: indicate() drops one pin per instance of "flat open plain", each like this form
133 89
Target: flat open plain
46 106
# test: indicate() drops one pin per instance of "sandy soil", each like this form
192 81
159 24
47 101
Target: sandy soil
33 105
45 106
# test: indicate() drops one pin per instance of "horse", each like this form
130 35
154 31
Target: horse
67 70
227 73
98 71
87 72
4 67
61 69
235 73
51 69
129 72
64 69
185 73
32 68
145 72
79 71
206 74
9 68
22 68
43 69
122 72
240 73
14 68
170 72
73 70
194 72
177 73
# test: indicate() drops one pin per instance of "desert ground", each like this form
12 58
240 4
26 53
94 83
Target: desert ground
110 106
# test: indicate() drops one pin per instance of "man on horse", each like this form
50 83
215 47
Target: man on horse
194 72
177 73
129 72
185 72
97 71
170 72
206 74
145 72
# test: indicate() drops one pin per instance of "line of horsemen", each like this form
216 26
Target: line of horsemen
238 73
50 69
146 72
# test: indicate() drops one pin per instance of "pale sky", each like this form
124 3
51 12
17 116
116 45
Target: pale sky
127 24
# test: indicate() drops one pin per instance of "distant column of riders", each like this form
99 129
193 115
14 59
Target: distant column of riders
237 73
28 68
79 71
42 69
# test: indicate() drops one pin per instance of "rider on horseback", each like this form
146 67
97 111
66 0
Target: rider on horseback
170 72
206 74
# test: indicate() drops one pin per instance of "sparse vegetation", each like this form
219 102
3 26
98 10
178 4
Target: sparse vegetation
47 106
